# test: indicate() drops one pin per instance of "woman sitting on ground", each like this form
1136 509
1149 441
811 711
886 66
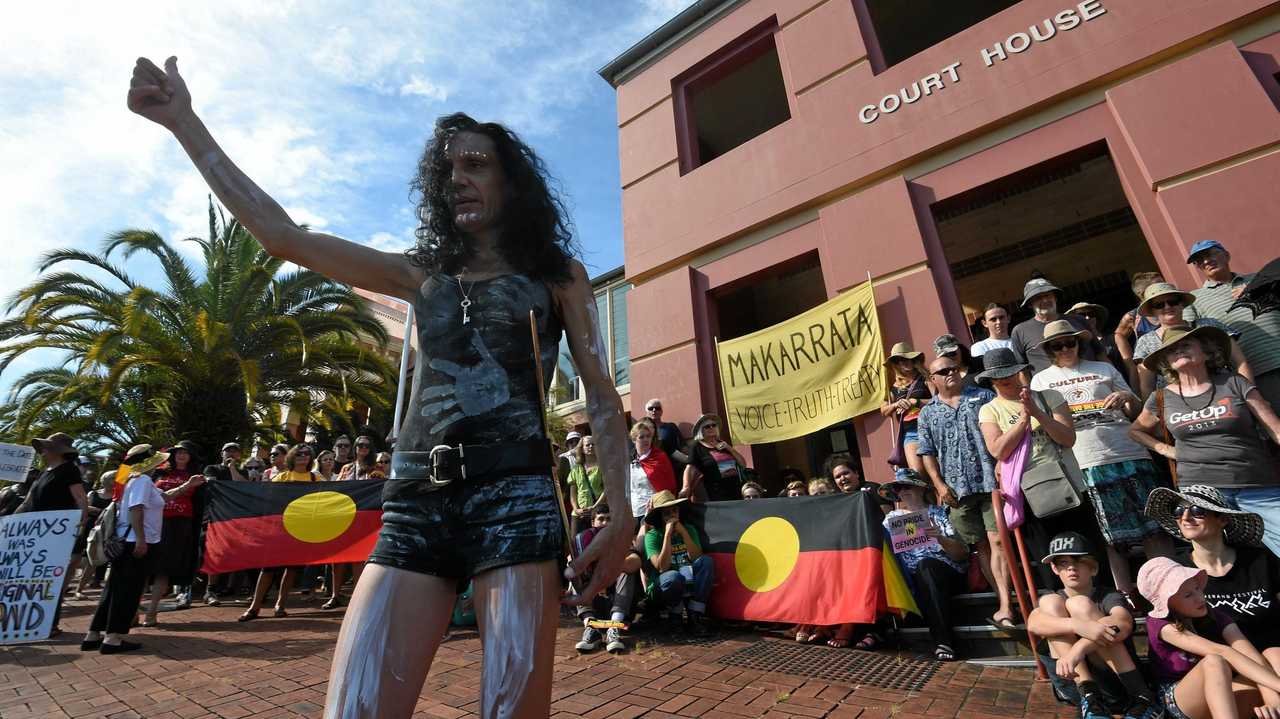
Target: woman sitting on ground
1203 665
297 469
1243 578
938 572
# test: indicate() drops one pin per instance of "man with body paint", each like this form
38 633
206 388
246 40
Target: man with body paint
470 496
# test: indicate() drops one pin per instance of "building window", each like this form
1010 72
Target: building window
732 96
902 28
611 311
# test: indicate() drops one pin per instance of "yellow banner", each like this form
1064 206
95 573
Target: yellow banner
810 372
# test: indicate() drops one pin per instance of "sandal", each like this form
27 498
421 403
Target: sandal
870 642
1004 624
803 633
819 636
843 636
333 603
279 613
248 615
944 653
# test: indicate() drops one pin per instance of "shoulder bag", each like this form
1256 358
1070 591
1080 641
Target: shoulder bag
1168 439
103 546
1056 486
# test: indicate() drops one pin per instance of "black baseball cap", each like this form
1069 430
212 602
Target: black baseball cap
1067 544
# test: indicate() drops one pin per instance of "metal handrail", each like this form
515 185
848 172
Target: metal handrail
997 506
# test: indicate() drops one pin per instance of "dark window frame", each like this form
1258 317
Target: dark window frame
743 49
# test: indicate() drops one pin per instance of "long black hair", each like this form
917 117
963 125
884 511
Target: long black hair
537 235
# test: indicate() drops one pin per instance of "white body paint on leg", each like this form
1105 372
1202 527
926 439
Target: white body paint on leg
517 610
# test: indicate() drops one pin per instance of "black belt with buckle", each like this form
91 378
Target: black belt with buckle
444 464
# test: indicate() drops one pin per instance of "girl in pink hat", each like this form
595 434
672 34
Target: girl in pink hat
1202 664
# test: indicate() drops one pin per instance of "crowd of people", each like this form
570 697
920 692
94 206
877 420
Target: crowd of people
1154 445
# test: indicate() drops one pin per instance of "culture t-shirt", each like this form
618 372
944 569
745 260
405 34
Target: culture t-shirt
1215 436
52 489
1169 663
1102 435
1247 593
1004 413
679 551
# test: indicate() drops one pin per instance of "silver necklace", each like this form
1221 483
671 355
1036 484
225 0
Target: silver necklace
466 299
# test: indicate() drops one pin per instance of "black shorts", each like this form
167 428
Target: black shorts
462 529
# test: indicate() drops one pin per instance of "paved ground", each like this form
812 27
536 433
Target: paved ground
201 663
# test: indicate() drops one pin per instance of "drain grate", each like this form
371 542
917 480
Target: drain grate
848 666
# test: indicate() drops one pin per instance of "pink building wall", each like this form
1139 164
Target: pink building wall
1184 95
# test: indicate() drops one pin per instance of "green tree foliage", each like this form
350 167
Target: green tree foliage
210 358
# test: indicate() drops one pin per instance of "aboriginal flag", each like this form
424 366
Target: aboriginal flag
809 560
278 524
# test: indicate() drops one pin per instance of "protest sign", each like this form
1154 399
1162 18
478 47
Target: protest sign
15 460
804 374
35 548
907 531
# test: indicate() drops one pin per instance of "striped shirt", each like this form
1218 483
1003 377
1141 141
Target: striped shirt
1259 338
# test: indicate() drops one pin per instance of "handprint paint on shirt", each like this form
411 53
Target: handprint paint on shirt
476 389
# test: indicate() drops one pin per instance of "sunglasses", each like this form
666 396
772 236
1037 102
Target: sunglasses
1161 304
363 445
945 372
1060 346
1195 510
655 408
343 445
709 424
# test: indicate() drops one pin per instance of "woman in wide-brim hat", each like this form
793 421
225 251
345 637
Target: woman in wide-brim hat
908 393
1243 576
139 524
1167 303
1207 421
713 471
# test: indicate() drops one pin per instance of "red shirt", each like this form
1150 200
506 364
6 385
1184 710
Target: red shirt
178 506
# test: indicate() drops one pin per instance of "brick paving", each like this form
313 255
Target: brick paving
202 663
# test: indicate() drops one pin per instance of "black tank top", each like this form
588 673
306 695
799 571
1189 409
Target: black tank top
476 383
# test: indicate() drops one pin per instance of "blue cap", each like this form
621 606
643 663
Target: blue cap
1203 245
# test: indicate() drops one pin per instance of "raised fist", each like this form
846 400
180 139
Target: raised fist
161 96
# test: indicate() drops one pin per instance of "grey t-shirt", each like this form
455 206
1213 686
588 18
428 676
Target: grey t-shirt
1029 332
1215 435
1102 435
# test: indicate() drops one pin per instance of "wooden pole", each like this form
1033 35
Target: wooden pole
542 411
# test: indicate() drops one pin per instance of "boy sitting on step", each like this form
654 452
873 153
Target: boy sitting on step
1087 628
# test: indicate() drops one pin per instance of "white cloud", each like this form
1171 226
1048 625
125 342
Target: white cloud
425 88
317 101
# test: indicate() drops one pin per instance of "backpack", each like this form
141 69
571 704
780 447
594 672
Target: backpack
104 546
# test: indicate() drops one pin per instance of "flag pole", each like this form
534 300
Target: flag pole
404 370
542 418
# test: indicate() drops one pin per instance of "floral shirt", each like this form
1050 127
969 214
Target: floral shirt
953 436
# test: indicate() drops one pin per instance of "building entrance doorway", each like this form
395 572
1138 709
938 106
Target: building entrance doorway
754 303
1066 218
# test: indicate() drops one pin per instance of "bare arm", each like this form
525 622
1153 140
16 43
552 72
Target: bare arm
82 502
577 309
663 559
1260 674
162 97
999 444
694 549
1143 431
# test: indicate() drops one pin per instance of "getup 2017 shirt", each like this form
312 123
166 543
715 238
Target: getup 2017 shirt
1215 436
1102 435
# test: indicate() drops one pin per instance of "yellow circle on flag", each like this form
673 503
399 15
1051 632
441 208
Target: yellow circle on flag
319 517
766 554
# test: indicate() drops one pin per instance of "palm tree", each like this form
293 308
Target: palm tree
210 358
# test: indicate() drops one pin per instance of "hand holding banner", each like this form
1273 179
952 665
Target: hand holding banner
809 372
910 531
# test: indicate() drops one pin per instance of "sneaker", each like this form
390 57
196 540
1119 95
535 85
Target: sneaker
184 601
1143 710
614 643
590 640
212 600
1092 707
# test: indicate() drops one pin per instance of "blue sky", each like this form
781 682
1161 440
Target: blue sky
325 104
